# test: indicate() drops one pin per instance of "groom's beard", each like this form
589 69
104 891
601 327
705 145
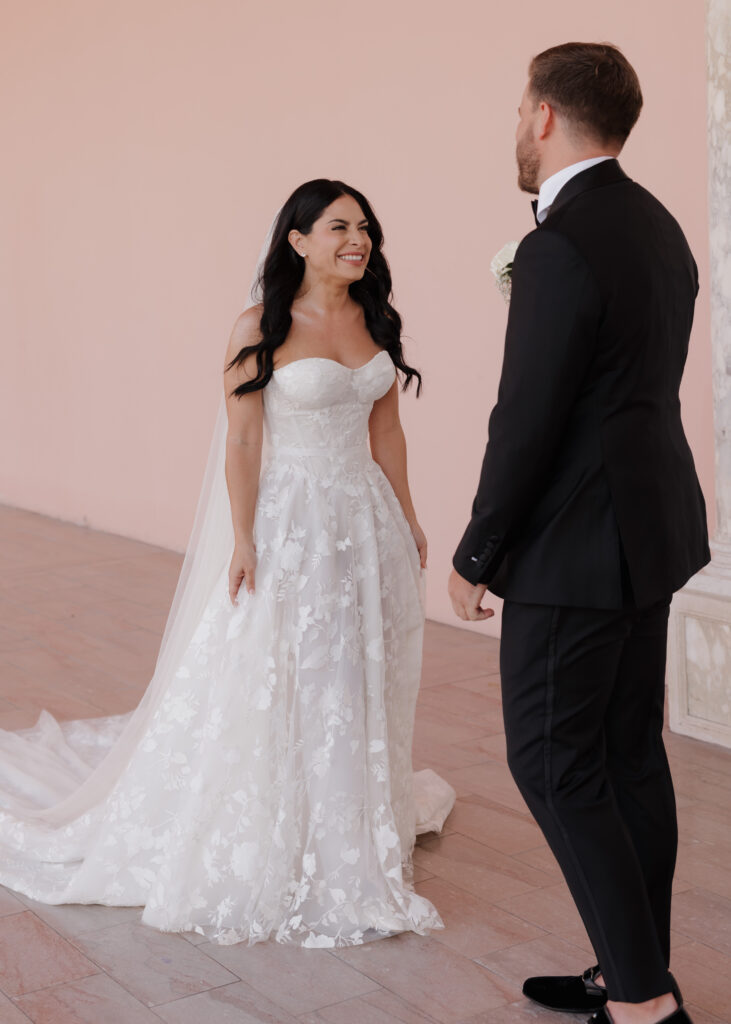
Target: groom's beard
529 166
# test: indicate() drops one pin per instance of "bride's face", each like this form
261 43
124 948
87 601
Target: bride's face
338 244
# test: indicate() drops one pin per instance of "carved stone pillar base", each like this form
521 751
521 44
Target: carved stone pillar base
699 662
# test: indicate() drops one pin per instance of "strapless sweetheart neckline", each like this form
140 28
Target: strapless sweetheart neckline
325 359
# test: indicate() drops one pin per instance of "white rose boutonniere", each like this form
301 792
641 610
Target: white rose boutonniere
502 268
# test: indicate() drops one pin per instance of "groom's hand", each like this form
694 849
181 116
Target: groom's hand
466 598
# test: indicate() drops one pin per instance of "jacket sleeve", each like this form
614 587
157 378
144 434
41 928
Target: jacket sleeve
553 322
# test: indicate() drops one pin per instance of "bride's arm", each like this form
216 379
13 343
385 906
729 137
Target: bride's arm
388 448
243 452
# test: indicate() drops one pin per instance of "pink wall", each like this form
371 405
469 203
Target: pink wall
146 147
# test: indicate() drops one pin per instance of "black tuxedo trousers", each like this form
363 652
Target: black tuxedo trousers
583 700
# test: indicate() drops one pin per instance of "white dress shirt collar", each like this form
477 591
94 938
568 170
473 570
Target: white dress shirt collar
553 185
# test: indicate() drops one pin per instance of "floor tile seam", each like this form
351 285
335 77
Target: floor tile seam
502 806
36 708
699 786
501 905
711 810
211 988
457 684
115 587
394 992
500 949
134 628
13 912
191 995
513 855
35 703
49 650
498 877
692 939
686 939
488 734
703 891
100 643
270 996
703 945
80 937
526 920
696 768
77 662
699 848
691 1007
64 620
85 663
474 895
75 563
507 977
427 1016
522 816
519 854
339 1002
56 984
692 868
19 1009
498 853
215 946
473 764
510 913
497 974
461 679
76 938
482 967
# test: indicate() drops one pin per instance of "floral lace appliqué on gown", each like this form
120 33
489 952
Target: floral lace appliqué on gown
270 793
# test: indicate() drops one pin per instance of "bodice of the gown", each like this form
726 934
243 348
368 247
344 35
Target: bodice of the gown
263 787
318 404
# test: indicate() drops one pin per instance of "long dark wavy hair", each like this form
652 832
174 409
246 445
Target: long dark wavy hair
282 274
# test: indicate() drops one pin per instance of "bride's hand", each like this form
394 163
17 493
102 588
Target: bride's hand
420 539
242 569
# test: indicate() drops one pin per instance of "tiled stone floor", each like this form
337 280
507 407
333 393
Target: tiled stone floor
81 614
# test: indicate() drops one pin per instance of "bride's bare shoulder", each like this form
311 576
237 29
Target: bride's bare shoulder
246 331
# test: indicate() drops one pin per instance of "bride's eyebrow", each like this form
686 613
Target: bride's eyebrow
339 220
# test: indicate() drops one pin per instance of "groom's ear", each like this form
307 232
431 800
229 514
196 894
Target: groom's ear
546 120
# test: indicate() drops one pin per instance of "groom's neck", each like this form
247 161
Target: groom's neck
559 156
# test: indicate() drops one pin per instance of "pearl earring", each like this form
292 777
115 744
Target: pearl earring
303 255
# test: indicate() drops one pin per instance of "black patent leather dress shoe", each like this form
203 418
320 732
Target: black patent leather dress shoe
567 995
679 1016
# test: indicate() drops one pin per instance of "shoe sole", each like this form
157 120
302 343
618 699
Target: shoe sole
567 1009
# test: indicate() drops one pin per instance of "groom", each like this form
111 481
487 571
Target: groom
588 516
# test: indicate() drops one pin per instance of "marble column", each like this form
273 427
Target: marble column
699 668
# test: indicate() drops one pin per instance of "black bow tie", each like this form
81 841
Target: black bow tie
534 204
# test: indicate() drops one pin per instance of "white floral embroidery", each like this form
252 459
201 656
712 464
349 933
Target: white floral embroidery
271 792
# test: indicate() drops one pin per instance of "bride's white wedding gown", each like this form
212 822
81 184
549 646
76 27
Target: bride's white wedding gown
267 790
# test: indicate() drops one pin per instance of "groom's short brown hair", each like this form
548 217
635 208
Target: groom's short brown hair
591 85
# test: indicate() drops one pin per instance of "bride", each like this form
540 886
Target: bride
263 786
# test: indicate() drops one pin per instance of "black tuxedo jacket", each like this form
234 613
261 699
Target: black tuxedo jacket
588 483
